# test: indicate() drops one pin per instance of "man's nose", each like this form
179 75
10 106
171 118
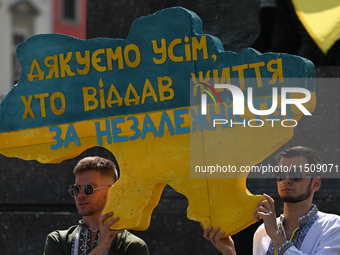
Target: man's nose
287 179
81 193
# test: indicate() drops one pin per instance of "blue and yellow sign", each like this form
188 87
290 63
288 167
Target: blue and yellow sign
133 97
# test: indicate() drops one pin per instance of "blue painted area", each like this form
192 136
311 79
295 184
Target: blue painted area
103 132
39 102
71 136
57 137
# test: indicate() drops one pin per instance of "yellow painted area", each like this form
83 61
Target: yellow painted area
321 19
147 165
231 204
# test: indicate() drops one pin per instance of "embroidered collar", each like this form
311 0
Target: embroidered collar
83 226
305 218
81 243
309 216
305 223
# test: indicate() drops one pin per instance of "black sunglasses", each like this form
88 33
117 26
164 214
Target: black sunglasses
293 176
88 189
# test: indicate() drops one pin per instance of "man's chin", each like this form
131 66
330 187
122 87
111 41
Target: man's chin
289 199
292 199
85 212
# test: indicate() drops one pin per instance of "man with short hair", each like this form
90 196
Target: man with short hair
301 229
94 177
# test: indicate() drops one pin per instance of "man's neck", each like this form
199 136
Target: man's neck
292 212
91 222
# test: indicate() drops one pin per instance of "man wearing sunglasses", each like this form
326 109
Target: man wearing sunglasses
94 177
301 229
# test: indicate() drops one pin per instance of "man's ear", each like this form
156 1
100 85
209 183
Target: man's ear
316 184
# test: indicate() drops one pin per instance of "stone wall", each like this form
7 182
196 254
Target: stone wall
235 23
34 200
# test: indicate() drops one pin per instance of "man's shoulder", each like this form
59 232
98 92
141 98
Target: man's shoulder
63 235
129 238
65 232
59 241
261 227
261 240
128 243
328 215
328 219
260 232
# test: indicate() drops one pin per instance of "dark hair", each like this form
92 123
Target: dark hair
311 155
104 166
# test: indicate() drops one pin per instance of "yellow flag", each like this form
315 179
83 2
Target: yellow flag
321 19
